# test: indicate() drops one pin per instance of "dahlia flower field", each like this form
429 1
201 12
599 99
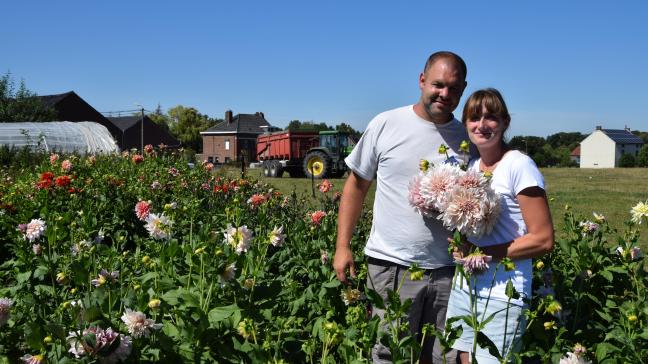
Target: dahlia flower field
140 258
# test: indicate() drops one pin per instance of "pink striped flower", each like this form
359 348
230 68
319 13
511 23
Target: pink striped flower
142 210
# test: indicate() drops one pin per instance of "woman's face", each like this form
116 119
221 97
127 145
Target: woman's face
486 130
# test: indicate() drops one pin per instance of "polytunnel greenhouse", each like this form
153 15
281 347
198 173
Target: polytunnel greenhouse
83 137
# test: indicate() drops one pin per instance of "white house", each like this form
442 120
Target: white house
604 147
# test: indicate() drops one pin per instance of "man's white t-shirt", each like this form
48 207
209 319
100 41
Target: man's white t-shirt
389 151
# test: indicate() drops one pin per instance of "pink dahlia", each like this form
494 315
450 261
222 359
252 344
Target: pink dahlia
53 158
137 159
437 183
325 186
416 200
66 165
104 349
256 200
35 229
137 323
472 179
142 210
317 217
475 262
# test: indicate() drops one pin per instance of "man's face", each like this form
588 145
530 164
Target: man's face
441 88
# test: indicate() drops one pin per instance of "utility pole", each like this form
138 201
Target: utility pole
142 131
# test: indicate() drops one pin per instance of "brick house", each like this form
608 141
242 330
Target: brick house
233 138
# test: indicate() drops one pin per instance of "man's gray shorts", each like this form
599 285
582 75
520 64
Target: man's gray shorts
429 303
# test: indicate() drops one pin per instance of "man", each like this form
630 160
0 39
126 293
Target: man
389 151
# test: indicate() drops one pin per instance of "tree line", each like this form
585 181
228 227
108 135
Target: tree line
18 103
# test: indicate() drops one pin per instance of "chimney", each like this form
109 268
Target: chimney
228 116
261 115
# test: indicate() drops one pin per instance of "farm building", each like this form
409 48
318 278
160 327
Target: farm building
575 154
125 130
604 147
234 137
131 133
71 107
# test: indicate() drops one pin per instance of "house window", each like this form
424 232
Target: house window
226 144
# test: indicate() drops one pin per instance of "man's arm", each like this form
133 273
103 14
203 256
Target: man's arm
353 195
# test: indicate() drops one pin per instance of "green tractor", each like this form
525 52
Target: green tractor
327 160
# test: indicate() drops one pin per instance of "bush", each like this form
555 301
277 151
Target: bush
627 161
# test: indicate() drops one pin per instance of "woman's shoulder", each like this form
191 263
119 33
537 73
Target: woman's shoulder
518 159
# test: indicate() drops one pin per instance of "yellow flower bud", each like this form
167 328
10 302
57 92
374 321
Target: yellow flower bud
137 287
66 304
539 265
553 308
73 290
248 283
464 146
48 339
424 165
443 149
146 259
218 252
632 318
154 303
417 275
549 325
199 251
125 253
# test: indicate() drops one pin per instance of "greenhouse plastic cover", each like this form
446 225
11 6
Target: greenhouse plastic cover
84 137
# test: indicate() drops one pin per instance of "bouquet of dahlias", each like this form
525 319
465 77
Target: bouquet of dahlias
463 200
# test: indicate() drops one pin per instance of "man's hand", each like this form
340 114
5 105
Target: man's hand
342 261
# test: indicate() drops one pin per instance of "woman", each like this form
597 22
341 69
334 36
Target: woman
523 231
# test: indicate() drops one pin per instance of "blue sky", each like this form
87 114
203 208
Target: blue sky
561 65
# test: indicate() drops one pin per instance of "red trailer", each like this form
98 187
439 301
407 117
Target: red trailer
285 151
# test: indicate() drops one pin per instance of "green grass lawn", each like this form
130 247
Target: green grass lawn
611 192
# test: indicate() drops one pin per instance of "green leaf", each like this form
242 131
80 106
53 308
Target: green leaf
23 277
374 298
219 314
332 284
606 274
510 291
486 343
40 272
33 335
602 350
171 297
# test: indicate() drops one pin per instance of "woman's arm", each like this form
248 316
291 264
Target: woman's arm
539 238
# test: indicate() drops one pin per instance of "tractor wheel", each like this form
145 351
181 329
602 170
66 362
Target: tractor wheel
266 168
316 165
276 170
